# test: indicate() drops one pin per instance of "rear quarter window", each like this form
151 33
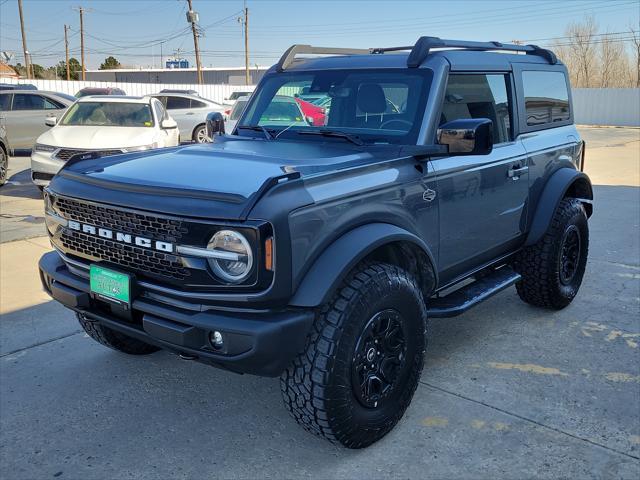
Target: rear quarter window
546 98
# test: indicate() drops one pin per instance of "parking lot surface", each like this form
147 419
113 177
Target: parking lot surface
508 390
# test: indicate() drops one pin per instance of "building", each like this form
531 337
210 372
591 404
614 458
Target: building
7 72
186 76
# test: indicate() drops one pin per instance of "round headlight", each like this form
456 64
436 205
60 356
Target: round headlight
234 257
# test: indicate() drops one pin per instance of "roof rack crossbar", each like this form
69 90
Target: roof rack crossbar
290 55
423 46
418 52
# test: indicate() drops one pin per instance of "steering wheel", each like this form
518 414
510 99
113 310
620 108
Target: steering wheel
397 120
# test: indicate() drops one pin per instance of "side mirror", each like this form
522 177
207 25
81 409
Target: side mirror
473 136
50 121
168 124
215 124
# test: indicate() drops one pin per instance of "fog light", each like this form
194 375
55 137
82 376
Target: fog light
216 339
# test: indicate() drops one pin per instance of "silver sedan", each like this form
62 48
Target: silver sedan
23 113
190 112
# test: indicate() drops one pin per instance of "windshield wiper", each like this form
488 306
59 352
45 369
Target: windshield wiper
258 128
332 133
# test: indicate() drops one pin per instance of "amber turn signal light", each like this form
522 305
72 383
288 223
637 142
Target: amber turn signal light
268 254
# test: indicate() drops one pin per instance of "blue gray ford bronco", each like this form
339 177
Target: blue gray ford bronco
315 249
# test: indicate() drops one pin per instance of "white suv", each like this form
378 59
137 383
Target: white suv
106 124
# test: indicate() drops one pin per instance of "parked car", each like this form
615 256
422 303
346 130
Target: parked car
317 254
316 114
23 114
234 113
190 111
106 125
231 99
176 90
4 156
17 86
99 91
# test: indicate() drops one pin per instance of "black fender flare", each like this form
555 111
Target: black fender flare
339 258
557 187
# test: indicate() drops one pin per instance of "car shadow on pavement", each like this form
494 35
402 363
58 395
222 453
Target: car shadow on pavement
20 185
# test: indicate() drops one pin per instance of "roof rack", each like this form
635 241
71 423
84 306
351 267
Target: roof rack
418 52
290 55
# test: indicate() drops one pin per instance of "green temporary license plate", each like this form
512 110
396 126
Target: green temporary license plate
110 285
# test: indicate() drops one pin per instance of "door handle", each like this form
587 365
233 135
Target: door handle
516 171
189 113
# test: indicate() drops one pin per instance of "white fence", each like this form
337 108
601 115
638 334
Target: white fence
592 106
217 93
607 106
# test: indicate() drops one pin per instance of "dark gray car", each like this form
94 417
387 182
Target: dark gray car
317 253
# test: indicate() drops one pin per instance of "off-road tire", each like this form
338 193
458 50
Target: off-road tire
200 134
115 340
317 387
540 264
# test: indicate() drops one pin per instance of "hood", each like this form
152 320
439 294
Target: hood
96 137
219 180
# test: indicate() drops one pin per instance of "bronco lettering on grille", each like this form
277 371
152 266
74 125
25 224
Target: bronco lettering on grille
121 237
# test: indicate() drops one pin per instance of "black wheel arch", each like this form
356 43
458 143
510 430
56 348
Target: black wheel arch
564 183
382 242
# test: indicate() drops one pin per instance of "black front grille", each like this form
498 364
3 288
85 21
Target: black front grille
128 256
67 153
142 225
132 257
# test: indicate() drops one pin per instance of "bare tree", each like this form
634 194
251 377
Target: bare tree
582 47
613 66
635 39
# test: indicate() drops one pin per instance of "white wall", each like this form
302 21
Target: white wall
607 106
592 106
216 93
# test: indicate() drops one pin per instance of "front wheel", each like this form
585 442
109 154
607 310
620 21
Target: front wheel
362 360
115 340
553 268
200 134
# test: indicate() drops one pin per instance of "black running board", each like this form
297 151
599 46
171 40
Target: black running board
461 300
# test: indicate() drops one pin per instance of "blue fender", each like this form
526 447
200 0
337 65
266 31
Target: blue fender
331 267
554 191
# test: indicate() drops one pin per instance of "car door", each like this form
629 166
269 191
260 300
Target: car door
482 198
25 120
179 108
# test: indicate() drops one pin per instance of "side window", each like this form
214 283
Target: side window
479 96
5 102
174 103
50 104
546 97
25 101
197 104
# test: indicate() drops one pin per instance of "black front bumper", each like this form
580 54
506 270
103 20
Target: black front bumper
260 343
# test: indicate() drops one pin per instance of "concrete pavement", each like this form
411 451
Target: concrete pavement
508 390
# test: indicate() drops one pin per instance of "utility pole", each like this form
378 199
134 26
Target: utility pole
246 43
27 61
192 17
82 10
66 51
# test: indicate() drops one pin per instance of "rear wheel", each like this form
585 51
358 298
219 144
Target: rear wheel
552 269
115 340
363 358
200 134
4 166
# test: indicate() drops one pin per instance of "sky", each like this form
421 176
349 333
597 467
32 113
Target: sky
135 31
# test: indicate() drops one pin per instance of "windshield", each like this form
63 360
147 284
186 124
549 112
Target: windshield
376 106
109 114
